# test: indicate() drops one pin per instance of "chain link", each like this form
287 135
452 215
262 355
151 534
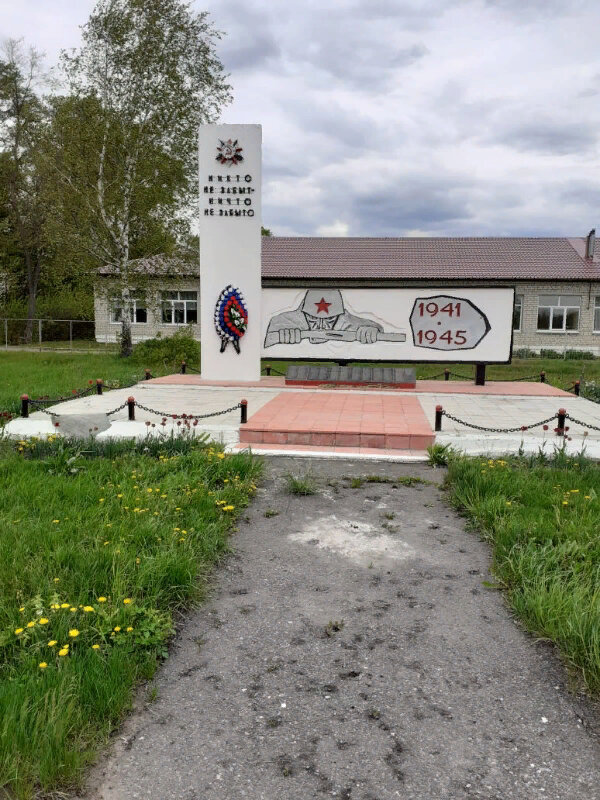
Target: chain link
583 424
51 402
118 408
166 415
499 430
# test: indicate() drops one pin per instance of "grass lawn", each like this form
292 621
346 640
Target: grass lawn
543 521
96 555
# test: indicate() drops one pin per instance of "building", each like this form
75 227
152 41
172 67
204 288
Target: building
556 281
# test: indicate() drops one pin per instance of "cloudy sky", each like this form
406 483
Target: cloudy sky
403 117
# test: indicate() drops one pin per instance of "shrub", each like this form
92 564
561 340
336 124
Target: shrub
579 355
550 354
524 352
170 350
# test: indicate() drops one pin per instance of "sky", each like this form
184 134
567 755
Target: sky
402 117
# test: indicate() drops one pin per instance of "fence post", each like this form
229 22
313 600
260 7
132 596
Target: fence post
268 369
24 406
446 374
6 333
243 411
562 421
71 334
479 374
40 334
131 408
183 367
147 374
439 411
577 387
542 377
98 385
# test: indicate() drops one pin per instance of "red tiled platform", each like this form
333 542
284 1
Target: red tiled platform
510 388
333 419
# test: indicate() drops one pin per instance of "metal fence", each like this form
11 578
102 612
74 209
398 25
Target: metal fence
51 334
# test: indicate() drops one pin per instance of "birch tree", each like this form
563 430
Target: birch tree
146 76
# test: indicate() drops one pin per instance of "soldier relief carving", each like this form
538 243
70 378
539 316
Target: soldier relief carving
322 317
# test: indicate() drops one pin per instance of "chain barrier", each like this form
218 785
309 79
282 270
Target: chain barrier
583 424
273 371
192 369
38 401
499 430
525 378
166 415
118 408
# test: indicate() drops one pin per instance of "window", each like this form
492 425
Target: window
179 308
136 302
558 313
597 315
517 312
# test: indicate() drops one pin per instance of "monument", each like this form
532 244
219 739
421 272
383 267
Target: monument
230 251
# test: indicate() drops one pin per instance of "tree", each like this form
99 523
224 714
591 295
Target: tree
265 231
22 118
124 143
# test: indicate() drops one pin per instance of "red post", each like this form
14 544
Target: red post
243 411
562 422
268 369
131 408
439 411
542 377
446 374
24 406
577 387
147 374
98 385
183 367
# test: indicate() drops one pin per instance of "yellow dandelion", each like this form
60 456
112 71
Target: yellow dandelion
565 502
30 624
73 633
43 621
64 605
102 599
177 508
163 496
228 508
119 495
64 651
42 665
508 503
574 491
72 609
87 609
56 521
220 455
149 491
19 630
52 642
101 500
106 542
127 600
56 580
95 647
129 629
117 628
22 608
138 560
587 496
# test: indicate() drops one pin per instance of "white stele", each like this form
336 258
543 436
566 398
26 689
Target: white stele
230 244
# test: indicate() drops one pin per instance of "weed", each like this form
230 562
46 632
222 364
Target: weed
301 484
152 695
389 514
439 455
270 512
356 483
334 626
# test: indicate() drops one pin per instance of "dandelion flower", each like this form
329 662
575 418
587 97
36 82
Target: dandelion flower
87 609
52 642
18 631
73 633
56 521
117 628
43 621
129 629
42 665
72 609
22 608
119 495
220 455
56 580
565 503
95 647
30 624
228 508
101 500
127 601
64 651
508 503
102 599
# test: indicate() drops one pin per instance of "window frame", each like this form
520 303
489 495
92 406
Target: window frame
561 308
518 304
137 301
172 301
596 309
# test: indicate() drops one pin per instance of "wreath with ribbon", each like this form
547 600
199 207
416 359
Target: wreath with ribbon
231 317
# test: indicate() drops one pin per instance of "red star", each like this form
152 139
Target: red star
322 306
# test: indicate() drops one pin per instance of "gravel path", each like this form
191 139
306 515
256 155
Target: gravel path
351 650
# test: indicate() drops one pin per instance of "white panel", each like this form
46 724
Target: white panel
230 220
447 324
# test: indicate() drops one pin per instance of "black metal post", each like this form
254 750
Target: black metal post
479 374
268 369
243 411
542 377
439 412
577 387
562 422
98 385
147 374
131 408
446 374
24 406
183 367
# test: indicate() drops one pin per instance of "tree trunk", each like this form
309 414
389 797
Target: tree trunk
33 278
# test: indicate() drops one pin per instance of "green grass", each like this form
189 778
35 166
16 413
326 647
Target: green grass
543 521
140 527
301 484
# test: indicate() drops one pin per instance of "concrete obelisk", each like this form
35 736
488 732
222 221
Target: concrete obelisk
230 251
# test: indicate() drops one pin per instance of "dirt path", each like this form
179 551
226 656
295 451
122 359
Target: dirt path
350 650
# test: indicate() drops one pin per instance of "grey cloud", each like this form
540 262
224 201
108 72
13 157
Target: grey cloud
249 42
548 137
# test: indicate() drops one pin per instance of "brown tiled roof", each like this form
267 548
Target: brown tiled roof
444 258
486 258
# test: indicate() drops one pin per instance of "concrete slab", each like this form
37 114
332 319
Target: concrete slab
37 425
